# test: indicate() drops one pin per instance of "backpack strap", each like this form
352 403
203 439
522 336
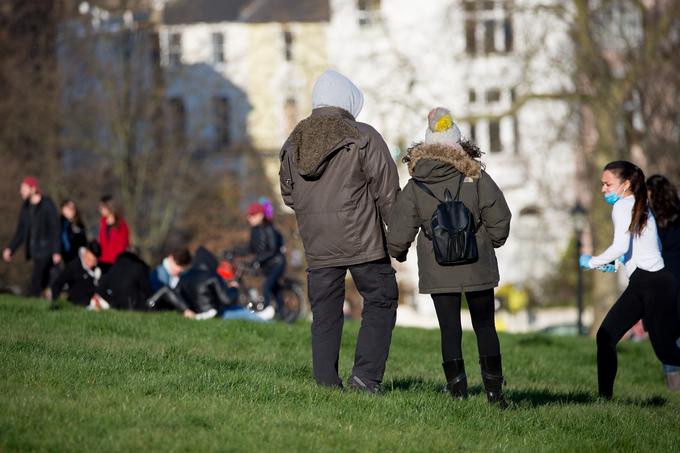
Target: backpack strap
460 184
426 189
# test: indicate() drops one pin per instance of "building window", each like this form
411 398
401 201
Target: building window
218 47
472 96
290 112
175 49
488 26
492 96
473 132
222 119
369 12
177 121
515 133
495 145
288 45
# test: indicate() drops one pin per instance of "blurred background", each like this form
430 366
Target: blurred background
180 107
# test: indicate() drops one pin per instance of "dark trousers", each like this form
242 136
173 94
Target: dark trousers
481 305
378 286
272 285
652 297
40 277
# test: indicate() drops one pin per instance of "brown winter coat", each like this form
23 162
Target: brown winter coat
440 167
339 177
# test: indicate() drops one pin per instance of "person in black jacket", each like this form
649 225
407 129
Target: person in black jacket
126 286
266 243
38 228
202 289
664 202
73 235
81 276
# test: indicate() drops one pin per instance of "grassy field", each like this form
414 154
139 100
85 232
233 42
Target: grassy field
77 380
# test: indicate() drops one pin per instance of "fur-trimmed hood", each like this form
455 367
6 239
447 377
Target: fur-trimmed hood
316 138
435 162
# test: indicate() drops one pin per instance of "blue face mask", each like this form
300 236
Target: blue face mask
612 197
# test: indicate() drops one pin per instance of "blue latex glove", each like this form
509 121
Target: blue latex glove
607 268
584 261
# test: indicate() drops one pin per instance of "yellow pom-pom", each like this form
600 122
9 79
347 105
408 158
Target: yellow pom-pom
444 123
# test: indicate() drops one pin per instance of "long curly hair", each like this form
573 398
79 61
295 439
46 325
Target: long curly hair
664 200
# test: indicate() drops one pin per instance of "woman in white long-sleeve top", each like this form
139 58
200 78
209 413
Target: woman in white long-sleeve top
652 290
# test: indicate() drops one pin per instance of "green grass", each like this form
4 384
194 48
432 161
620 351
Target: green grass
76 380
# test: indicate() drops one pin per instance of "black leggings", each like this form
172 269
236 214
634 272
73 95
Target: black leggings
652 297
481 305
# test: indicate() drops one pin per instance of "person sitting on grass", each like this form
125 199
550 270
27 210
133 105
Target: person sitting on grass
164 281
126 285
80 276
207 294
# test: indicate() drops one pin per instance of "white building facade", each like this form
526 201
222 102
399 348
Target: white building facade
498 65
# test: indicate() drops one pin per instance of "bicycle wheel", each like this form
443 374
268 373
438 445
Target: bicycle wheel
294 303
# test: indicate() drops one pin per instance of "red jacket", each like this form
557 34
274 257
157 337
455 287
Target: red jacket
114 241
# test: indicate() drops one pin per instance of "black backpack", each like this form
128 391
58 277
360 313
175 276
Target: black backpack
453 229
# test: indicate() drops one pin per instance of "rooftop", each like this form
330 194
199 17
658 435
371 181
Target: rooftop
247 11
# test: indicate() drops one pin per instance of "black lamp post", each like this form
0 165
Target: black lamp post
580 217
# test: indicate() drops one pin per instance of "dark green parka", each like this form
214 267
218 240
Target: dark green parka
441 167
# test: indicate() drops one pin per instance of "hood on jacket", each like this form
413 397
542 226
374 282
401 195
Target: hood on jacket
316 139
434 162
333 89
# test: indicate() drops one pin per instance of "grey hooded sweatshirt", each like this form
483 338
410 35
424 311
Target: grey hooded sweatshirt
339 177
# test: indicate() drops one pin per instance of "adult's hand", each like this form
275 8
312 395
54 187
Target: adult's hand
189 314
607 268
56 258
584 261
7 255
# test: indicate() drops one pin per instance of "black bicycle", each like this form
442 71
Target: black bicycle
250 295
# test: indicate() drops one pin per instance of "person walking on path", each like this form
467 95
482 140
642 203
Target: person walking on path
73 235
338 176
652 290
445 162
665 204
114 234
38 227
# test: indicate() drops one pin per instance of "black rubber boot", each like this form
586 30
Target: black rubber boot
492 376
456 379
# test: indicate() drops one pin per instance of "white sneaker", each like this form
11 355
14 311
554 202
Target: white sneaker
206 315
266 314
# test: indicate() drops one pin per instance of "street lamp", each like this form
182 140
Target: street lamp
580 217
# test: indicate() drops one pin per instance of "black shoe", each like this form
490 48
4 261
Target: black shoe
492 376
358 384
454 370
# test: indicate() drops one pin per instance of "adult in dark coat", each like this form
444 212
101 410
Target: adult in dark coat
444 162
80 276
339 177
39 229
73 235
126 286
665 204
